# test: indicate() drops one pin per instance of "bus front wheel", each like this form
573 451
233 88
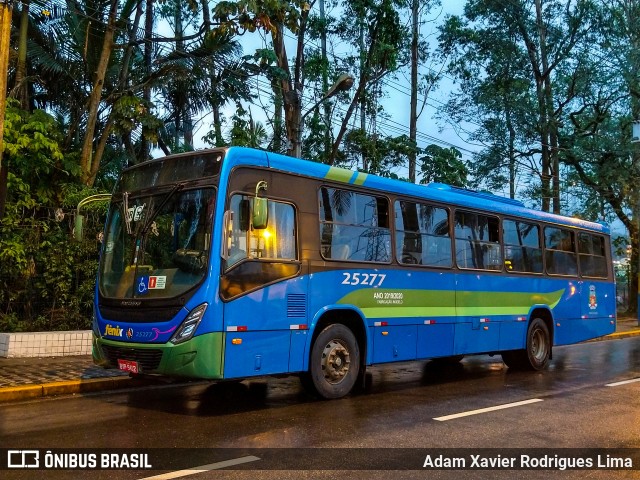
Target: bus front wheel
334 363
538 351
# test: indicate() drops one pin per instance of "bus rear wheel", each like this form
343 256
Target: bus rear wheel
334 363
538 352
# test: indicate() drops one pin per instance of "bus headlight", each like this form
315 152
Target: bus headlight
189 326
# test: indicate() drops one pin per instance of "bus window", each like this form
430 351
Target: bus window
276 242
522 250
592 256
354 226
422 234
477 241
560 250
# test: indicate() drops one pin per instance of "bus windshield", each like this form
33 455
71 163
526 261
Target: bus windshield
157 246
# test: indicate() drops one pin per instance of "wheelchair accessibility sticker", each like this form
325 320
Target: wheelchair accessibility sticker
151 282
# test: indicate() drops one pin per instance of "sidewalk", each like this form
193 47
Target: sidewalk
23 378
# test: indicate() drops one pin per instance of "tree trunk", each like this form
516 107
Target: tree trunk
143 153
90 163
512 154
290 97
5 38
325 83
21 89
278 102
413 115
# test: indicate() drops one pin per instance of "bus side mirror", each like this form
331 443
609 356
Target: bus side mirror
260 212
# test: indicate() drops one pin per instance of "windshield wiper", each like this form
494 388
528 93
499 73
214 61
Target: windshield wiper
125 207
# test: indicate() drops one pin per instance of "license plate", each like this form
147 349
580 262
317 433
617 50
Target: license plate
128 366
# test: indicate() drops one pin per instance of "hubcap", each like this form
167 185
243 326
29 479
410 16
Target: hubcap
538 346
336 361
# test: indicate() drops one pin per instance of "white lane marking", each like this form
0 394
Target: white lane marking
488 409
624 382
203 468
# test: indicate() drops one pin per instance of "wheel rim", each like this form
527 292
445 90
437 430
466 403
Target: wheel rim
538 348
336 361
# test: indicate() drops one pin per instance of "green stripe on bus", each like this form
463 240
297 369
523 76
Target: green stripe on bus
387 303
339 174
360 178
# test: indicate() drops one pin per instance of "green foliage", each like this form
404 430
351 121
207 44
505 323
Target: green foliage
46 280
250 15
246 131
443 165
381 155
32 147
132 112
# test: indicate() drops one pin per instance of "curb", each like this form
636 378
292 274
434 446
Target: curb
67 387
619 335
70 387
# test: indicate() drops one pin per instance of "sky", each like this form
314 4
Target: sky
396 105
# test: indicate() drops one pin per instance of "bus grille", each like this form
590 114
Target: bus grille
148 359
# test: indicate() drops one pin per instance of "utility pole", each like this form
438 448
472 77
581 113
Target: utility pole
6 7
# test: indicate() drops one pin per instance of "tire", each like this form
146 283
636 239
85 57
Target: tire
334 363
538 351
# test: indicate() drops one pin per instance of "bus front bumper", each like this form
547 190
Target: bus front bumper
199 357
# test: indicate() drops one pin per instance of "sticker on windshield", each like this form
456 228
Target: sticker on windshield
157 282
151 282
135 214
143 285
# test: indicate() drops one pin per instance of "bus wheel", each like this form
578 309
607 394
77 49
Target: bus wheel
536 355
334 362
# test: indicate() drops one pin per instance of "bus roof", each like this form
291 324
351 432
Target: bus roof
436 192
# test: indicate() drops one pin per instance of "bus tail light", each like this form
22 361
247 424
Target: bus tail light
189 326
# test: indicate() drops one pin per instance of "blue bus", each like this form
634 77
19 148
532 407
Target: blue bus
235 263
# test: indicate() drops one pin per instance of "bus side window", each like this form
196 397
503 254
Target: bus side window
354 226
477 241
422 234
276 242
560 251
592 256
522 249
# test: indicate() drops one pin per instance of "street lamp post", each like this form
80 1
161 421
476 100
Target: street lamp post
342 84
79 220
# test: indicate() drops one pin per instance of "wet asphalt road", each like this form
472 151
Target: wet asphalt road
408 405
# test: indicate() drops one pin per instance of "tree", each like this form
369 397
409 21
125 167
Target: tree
377 28
273 17
419 53
443 165
595 139
507 55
